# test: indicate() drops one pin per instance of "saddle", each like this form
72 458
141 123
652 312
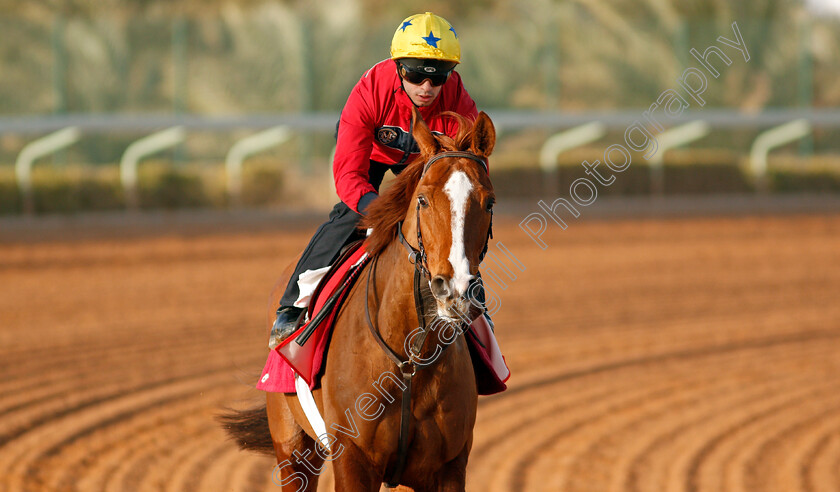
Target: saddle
305 349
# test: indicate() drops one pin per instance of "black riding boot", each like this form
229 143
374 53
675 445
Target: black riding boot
284 325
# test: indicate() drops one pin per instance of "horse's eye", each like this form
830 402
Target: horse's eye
489 206
422 201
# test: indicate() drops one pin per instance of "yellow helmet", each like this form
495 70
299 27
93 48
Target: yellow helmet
426 36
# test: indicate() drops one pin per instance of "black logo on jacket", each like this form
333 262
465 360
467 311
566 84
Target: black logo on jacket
387 134
397 138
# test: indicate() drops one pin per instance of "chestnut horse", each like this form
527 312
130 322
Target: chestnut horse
439 209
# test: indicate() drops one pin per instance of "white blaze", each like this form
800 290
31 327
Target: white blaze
458 188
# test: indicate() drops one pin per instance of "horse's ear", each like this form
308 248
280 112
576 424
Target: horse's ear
422 135
484 136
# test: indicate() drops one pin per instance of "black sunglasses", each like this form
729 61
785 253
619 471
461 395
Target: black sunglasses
417 76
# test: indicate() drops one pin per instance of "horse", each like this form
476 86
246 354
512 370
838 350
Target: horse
430 229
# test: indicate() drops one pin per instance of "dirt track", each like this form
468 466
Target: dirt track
695 355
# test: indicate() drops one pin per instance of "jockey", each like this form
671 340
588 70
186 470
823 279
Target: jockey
374 136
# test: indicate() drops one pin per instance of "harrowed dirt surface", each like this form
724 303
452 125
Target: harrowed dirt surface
678 354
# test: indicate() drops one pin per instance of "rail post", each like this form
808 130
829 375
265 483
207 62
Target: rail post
769 140
669 139
562 142
39 148
245 148
138 150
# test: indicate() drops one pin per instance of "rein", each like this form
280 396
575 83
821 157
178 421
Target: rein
408 368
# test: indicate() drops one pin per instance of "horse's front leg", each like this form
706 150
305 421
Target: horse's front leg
453 475
293 476
353 473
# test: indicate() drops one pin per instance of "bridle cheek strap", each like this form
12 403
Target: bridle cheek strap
418 255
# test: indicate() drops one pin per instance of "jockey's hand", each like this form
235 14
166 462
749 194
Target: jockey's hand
365 200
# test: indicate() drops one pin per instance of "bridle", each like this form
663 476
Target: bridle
417 255
408 368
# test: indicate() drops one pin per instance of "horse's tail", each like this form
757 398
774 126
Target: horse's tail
249 428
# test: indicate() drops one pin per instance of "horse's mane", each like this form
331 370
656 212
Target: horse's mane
385 212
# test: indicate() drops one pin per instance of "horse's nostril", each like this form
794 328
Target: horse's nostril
440 287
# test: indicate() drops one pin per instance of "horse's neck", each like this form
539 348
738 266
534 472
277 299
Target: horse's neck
397 313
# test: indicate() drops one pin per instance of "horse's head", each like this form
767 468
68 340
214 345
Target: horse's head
442 203
453 201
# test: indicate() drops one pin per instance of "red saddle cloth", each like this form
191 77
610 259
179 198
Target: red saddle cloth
278 375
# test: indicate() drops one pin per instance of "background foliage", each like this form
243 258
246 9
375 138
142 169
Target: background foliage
226 57
223 57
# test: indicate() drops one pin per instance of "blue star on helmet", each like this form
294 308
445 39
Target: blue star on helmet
453 31
404 25
431 40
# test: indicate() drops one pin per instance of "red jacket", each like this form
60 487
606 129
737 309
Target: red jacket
375 125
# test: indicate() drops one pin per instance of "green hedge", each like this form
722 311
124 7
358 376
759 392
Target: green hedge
677 179
76 189
10 201
171 189
635 180
261 186
818 181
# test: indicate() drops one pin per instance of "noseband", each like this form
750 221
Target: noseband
408 368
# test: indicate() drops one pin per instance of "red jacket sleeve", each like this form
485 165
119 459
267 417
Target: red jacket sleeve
353 148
